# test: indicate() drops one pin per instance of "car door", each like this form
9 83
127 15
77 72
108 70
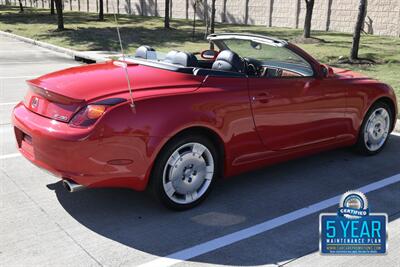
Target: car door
293 112
293 106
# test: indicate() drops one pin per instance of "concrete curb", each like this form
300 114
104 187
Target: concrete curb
397 127
79 56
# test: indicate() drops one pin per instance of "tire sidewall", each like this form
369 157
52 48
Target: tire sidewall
156 179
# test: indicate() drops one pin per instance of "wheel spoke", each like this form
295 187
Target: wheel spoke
174 157
366 136
209 176
198 149
372 118
189 197
169 189
210 169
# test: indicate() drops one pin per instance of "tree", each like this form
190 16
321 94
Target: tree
194 18
166 17
362 12
21 7
101 10
206 19
60 17
212 22
307 21
52 7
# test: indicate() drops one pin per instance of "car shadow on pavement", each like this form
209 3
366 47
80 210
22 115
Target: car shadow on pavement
135 220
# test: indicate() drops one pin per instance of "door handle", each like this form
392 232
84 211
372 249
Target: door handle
263 97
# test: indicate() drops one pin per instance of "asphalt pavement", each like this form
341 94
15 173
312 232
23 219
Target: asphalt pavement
43 225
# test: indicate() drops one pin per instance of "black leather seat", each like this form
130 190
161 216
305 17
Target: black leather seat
228 60
146 52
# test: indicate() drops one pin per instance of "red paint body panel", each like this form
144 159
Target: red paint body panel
82 154
258 121
89 82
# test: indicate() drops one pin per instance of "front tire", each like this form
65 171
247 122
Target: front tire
184 172
375 129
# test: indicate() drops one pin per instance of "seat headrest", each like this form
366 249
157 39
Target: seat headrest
184 59
169 58
146 52
228 60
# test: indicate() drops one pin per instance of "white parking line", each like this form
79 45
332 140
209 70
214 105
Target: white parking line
9 156
396 133
8 103
229 239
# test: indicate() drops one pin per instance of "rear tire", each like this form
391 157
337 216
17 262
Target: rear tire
184 172
375 129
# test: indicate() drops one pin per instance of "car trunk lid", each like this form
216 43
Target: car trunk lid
61 94
51 104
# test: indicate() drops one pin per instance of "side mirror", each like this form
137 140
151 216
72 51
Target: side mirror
328 71
209 54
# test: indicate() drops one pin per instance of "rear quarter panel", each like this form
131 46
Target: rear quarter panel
219 104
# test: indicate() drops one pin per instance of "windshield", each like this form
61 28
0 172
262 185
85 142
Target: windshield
263 52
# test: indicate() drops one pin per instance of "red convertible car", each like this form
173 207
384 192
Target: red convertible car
176 123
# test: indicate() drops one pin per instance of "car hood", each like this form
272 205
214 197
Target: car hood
93 81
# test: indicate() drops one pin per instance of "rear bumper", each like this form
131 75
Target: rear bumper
84 156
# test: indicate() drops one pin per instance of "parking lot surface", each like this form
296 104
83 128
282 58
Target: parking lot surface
42 224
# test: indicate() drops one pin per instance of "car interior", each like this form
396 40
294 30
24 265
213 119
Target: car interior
226 62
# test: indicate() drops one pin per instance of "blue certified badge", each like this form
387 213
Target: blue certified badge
353 230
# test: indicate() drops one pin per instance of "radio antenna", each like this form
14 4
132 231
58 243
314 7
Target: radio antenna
124 65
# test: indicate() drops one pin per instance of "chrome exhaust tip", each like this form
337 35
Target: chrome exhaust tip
71 186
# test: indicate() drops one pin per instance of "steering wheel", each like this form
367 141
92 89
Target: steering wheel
252 66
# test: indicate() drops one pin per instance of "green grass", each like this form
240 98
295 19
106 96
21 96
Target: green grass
86 33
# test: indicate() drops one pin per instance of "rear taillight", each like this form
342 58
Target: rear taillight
88 115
